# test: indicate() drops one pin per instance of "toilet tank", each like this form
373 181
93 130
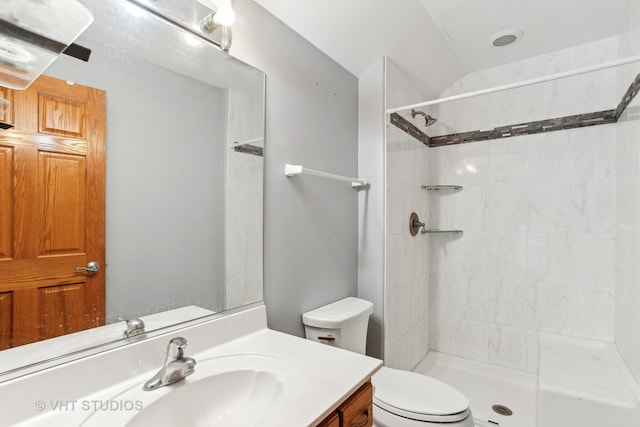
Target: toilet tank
340 324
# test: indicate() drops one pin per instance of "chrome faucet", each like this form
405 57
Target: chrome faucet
135 326
176 366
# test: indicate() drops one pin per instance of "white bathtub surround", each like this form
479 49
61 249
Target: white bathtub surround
585 383
486 385
104 376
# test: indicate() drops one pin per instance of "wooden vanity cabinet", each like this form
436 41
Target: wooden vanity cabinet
332 420
356 411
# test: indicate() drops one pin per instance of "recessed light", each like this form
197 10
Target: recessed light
505 38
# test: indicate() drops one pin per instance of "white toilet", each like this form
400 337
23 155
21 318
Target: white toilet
401 398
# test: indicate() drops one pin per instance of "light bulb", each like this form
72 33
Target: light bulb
225 16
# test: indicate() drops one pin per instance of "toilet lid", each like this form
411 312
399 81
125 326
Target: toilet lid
418 396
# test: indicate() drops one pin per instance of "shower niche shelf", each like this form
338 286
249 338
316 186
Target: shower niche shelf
442 187
436 231
451 188
415 225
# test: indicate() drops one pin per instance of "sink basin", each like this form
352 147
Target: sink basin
234 390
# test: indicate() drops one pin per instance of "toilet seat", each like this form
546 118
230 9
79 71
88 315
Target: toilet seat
418 397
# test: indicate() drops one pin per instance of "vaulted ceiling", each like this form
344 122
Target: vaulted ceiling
439 41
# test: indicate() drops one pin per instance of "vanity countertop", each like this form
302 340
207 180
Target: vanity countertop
324 376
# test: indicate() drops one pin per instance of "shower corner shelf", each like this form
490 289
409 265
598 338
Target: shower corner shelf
415 224
442 187
435 231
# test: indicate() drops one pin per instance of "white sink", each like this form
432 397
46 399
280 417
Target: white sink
246 375
233 390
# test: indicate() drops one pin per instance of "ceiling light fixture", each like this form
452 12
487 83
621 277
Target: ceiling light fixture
223 17
506 38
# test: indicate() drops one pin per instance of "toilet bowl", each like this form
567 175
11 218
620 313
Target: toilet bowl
409 399
401 398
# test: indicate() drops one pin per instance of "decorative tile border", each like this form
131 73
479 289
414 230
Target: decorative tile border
405 125
528 128
628 96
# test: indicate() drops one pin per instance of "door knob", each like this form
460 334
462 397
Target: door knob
91 268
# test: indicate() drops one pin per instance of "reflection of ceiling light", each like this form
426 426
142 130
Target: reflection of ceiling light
506 38
191 39
134 10
12 50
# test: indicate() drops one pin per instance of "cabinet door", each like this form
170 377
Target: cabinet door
357 411
332 420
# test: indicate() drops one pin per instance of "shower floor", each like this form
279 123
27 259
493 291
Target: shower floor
486 385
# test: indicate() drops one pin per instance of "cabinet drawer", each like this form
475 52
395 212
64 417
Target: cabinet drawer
357 411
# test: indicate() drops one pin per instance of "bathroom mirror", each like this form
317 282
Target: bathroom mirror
184 178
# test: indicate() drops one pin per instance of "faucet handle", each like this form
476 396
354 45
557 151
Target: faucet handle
135 326
176 347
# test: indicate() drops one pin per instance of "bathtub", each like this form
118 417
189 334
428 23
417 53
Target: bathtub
585 383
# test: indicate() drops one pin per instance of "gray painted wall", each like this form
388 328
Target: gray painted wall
311 224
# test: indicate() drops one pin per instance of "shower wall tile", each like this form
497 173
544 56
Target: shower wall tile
548 257
472 213
472 340
443 166
509 347
593 258
539 213
511 303
443 295
551 307
532 351
469 253
472 297
471 163
508 161
407 287
593 153
508 208
548 155
244 203
444 334
627 272
508 255
593 206
550 207
591 310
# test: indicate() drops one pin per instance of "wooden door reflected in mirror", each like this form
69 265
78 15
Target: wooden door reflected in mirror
52 212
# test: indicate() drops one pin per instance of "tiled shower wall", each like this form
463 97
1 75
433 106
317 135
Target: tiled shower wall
244 199
407 258
538 214
551 221
628 211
